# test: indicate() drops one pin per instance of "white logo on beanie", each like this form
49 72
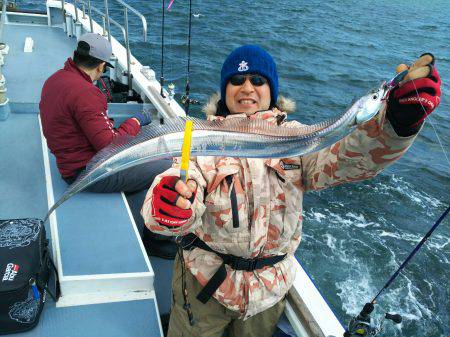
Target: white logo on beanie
243 66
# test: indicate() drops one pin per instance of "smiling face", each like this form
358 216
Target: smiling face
247 98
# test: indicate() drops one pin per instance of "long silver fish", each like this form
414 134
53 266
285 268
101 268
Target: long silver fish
234 137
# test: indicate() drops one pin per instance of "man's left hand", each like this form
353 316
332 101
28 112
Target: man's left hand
143 118
415 97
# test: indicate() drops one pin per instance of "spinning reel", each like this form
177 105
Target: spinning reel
360 325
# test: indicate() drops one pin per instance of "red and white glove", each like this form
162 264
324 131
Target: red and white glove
416 96
172 201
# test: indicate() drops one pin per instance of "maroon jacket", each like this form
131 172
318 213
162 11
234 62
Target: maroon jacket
75 120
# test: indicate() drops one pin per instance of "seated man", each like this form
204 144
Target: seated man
75 120
242 217
76 125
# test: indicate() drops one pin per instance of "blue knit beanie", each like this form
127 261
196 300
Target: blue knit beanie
250 59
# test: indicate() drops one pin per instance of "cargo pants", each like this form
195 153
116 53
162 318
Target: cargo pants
212 319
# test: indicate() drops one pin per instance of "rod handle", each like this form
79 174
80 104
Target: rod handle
396 318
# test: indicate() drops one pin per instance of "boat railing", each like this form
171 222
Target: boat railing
103 16
81 16
107 20
127 7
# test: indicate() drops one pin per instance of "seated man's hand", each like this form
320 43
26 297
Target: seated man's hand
416 96
144 118
172 201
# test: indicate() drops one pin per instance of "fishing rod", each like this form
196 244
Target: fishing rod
185 100
161 79
360 325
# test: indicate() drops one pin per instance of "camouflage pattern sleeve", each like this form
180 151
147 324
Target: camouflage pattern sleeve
361 155
198 206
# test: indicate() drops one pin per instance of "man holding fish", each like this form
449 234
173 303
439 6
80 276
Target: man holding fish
241 219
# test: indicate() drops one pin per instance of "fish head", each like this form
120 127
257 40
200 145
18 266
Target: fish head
370 104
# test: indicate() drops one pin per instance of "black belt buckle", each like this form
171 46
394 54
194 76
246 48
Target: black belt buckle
240 263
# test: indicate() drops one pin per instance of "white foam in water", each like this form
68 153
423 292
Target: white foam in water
360 220
355 289
331 241
318 216
401 236
438 242
337 219
366 248
351 219
397 184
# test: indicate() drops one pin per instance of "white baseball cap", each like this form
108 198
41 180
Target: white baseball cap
99 47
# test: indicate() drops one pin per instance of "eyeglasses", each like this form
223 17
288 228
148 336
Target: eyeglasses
255 79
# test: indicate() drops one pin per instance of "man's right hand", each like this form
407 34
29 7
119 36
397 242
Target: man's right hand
172 201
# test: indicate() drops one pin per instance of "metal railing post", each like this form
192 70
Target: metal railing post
76 10
111 20
138 14
127 43
64 15
83 9
108 27
104 25
90 16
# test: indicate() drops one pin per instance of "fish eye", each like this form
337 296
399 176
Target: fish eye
374 97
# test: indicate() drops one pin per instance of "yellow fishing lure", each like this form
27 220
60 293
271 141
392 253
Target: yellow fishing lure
186 151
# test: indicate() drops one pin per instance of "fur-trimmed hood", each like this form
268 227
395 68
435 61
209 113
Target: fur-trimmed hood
284 104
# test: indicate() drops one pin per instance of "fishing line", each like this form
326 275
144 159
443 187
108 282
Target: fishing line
186 98
432 124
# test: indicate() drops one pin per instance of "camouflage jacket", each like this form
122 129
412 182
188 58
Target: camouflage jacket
269 196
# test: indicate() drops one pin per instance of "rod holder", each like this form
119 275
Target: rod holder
78 29
112 71
69 26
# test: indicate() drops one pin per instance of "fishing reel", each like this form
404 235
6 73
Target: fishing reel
360 325
185 99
